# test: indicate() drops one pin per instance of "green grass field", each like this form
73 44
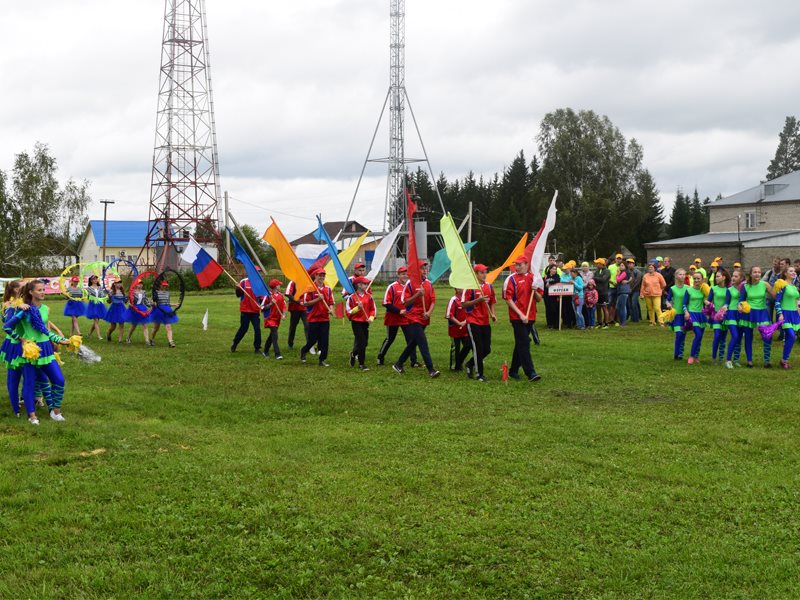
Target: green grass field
197 473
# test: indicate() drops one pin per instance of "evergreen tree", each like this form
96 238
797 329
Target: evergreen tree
680 220
651 226
787 155
697 219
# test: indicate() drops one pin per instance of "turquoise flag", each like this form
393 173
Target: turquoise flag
441 263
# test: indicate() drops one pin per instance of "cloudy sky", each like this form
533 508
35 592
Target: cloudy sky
704 86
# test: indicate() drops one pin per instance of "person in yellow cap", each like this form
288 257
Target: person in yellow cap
713 269
613 270
737 265
698 263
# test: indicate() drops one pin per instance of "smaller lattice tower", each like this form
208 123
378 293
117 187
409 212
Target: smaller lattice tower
184 189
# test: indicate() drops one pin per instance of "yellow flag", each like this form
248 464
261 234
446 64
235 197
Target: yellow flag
518 249
346 256
287 259
462 275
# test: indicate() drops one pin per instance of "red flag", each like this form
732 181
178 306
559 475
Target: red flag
505 371
340 310
414 273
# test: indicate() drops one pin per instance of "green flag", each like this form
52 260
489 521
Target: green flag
461 274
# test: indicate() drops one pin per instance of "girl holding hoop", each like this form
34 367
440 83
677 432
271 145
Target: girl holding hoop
117 313
96 309
138 313
74 307
163 314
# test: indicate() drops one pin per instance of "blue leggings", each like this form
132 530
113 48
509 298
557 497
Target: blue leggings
718 345
680 342
789 336
748 346
698 339
41 387
735 345
31 375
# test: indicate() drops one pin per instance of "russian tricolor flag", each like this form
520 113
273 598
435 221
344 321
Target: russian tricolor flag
205 267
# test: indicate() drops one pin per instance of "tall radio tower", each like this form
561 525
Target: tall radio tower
397 99
184 189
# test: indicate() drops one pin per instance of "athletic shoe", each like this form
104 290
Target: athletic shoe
40 402
728 364
785 364
749 365
514 376
737 364
469 372
692 360
33 420
380 361
416 365
313 351
265 354
534 378
363 367
153 343
398 369
324 363
302 357
481 378
616 324
172 344
604 327
57 416
434 373
279 357
127 340
352 360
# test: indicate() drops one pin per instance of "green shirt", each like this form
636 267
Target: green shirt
756 295
678 298
614 270
719 296
734 303
789 298
696 298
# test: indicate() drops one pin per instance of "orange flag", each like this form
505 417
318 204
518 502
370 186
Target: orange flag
290 265
518 249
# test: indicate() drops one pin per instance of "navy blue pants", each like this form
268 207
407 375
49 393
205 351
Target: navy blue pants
522 349
246 320
318 333
415 338
481 339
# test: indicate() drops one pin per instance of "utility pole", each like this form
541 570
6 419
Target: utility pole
105 204
739 235
227 234
469 230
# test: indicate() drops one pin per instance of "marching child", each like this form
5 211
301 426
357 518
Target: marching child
732 320
361 312
677 300
138 313
457 330
694 311
74 307
274 313
717 298
755 293
95 309
319 307
117 313
163 314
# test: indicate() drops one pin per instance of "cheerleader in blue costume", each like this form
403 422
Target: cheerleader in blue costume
732 320
74 307
96 309
117 313
755 293
694 311
29 322
717 298
678 300
787 297
135 318
163 314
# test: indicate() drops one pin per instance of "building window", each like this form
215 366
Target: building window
750 220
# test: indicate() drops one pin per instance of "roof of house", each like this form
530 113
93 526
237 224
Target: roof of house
781 189
353 229
721 238
120 233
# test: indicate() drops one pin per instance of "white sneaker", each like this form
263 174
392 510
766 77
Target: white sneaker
57 416
33 420
312 351
728 364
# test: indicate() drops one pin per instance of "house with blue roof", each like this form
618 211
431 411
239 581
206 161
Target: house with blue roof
123 239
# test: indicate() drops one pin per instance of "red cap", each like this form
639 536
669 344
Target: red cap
360 266
274 283
402 270
360 279
521 259
422 262
74 279
319 271
165 283
480 267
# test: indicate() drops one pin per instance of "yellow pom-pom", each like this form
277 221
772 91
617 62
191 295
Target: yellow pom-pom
779 285
30 350
745 307
58 358
74 343
668 316
705 288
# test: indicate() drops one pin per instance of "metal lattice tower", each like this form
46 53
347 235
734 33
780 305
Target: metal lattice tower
184 189
397 100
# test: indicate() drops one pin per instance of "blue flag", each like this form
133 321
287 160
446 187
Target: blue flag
256 283
321 235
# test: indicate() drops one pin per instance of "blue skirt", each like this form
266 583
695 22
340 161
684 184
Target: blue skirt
134 318
95 310
677 323
791 320
74 308
699 319
756 317
9 352
732 317
165 317
117 313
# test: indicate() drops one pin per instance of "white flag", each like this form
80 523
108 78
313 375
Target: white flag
205 321
537 259
382 251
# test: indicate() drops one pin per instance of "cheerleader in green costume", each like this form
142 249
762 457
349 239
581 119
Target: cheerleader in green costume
732 319
694 312
755 293
677 299
31 325
717 298
786 300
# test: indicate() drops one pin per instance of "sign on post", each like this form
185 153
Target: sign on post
561 290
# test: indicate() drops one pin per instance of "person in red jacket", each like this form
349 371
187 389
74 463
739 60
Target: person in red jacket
359 270
521 297
361 312
249 310
457 330
319 306
396 315
479 305
297 312
417 297
274 313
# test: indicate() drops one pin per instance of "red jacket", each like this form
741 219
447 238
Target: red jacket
393 302
294 305
518 288
273 311
318 313
478 314
247 300
356 301
418 309
455 312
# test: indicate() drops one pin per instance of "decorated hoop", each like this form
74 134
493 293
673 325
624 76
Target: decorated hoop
74 270
137 281
163 276
111 272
